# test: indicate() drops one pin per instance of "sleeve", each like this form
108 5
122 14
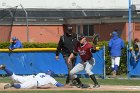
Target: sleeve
18 45
122 44
75 51
59 47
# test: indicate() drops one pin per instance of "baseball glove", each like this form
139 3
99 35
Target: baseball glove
95 39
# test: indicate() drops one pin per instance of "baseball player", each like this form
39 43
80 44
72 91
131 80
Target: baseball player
85 51
30 81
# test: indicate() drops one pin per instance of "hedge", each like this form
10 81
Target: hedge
123 62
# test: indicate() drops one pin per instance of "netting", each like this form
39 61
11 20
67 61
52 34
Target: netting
6 22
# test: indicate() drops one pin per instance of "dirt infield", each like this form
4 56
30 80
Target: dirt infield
102 88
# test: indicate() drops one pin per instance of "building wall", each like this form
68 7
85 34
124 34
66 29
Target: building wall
52 33
104 30
38 33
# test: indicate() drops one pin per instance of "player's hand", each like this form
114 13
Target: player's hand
97 48
57 57
131 48
10 49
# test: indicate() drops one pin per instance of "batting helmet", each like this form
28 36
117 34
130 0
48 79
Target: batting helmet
50 72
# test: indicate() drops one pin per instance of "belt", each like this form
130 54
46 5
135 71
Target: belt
87 60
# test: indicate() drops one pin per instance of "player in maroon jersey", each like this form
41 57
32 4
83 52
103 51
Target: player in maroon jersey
85 51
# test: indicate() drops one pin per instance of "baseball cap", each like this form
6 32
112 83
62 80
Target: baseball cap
14 38
81 36
69 29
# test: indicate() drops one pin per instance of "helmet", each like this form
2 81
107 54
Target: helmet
50 72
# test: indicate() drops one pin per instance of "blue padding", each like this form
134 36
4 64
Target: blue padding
41 61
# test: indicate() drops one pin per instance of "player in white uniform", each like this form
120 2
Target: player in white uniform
30 81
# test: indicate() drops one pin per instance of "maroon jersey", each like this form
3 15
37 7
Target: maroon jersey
84 51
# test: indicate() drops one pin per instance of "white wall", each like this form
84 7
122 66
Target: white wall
70 4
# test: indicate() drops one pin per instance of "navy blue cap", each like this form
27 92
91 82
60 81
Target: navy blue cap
81 36
14 38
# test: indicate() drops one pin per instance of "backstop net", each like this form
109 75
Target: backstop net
7 16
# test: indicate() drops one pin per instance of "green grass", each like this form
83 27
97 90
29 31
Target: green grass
129 82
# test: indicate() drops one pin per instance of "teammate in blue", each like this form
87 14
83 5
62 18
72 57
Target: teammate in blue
30 81
115 45
15 44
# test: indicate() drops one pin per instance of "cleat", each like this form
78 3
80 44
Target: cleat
83 86
96 86
7 86
2 67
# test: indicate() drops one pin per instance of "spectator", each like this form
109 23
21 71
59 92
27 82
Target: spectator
15 44
136 49
66 45
115 45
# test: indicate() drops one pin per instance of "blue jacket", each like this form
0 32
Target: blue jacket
115 45
18 44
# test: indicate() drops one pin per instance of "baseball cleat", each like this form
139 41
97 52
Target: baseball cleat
7 86
96 86
2 67
83 86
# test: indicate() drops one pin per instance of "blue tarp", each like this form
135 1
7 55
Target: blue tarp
41 61
132 65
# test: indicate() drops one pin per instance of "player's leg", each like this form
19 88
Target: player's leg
69 66
88 68
22 79
79 67
29 84
113 66
117 63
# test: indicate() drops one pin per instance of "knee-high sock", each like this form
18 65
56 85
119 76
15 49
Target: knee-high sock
94 79
9 73
68 79
78 81
116 67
